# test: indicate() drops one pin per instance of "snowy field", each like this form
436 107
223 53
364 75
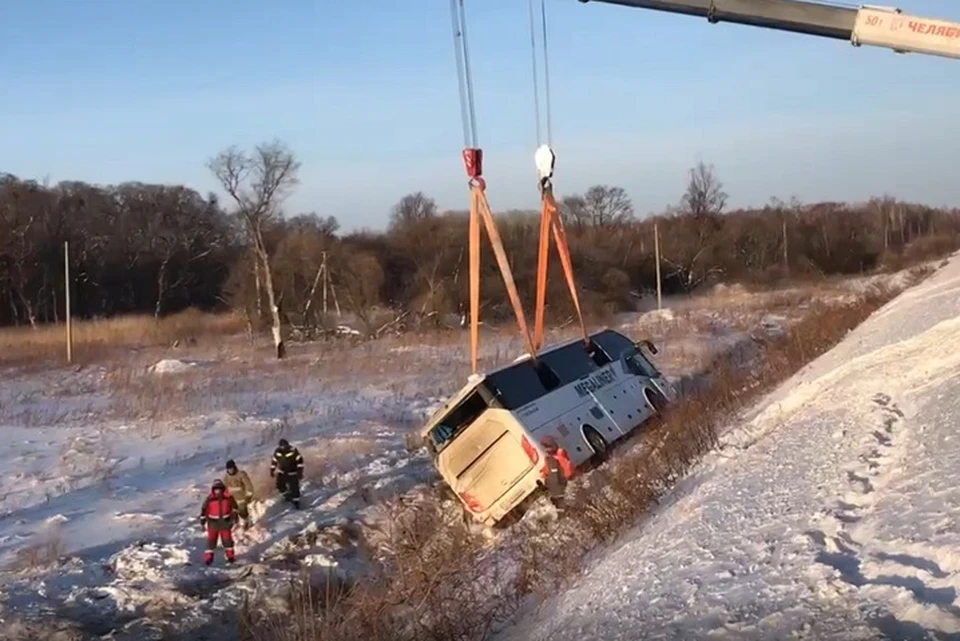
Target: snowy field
832 510
103 467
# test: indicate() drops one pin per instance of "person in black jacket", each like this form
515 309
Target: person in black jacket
287 468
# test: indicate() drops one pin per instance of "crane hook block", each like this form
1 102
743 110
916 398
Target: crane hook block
473 162
545 159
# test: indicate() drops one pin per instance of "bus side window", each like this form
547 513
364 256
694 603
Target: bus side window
614 344
570 363
643 366
516 385
547 377
598 355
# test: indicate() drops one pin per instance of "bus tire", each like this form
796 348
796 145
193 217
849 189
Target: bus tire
656 400
597 443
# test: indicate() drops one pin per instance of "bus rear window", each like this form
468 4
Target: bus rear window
457 420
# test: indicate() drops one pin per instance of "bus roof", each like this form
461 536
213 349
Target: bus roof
475 379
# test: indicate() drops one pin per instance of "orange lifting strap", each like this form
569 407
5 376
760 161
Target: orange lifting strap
545 160
550 219
480 208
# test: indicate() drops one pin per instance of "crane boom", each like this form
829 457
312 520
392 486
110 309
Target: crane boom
867 25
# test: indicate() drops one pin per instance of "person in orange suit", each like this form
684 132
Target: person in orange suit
557 470
218 515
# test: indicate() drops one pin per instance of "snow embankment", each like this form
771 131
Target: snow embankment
831 511
174 366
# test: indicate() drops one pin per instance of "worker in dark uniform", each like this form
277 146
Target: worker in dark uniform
557 470
218 516
287 468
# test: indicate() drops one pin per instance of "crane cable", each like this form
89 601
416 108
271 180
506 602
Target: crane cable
550 219
479 206
468 115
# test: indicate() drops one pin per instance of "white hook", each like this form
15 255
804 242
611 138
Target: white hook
545 159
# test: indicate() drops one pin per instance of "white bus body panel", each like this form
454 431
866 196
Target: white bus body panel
611 401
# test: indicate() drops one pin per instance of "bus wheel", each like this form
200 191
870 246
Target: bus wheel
656 401
597 444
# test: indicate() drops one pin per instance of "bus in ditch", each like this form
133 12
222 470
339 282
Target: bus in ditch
486 440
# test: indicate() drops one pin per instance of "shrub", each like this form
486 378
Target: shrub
432 576
93 337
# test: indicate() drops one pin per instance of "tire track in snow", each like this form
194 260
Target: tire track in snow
921 593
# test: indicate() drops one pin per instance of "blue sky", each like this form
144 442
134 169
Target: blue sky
364 91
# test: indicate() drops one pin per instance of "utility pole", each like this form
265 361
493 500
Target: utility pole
66 281
326 279
786 258
656 250
336 303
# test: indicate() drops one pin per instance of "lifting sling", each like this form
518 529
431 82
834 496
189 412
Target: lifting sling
550 220
479 206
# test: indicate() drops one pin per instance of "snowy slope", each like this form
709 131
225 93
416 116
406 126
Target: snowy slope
832 511
108 463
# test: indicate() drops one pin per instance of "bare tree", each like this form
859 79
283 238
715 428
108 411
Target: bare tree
359 275
180 229
413 208
147 248
430 244
258 183
605 206
692 251
573 209
704 195
887 215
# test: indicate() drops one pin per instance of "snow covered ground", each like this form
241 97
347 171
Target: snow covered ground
832 510
103 467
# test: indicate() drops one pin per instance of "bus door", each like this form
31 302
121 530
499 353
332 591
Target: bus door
622 398
609 413
580 377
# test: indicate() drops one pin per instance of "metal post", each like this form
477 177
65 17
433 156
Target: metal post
656 250
66 287
786 258
323 266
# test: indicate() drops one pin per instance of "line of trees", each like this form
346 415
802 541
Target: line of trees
158 249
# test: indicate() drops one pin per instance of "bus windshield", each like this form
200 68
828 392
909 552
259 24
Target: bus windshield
456 420
640 365
619 347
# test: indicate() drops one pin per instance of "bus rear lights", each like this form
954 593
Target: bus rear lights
531 451
471 502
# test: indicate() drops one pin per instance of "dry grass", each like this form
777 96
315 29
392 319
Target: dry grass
319 461
92 339
312 378
432 577
45 551
16 629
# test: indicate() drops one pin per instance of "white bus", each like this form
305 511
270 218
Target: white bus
486 440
